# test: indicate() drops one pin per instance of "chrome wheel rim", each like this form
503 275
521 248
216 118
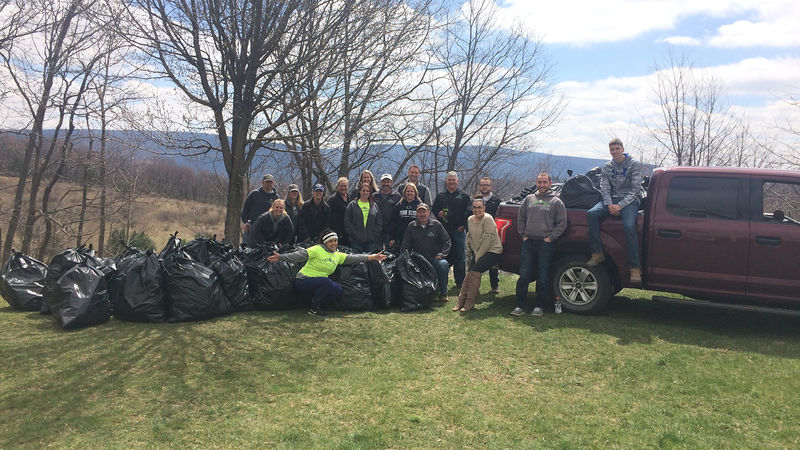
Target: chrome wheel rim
578 286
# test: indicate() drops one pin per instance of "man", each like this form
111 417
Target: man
428 237
621 188
541 220
257 203
492 202
386 199
338 203
413 177
315 216
452 206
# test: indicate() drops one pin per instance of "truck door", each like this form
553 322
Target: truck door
699 235
774 272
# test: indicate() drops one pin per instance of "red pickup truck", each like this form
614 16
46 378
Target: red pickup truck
725 235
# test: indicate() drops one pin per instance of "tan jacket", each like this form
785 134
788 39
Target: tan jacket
482 236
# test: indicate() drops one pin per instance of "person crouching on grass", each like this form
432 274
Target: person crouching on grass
321 261
485 246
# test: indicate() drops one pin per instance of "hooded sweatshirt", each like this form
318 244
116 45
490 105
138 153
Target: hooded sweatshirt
541 216
621 183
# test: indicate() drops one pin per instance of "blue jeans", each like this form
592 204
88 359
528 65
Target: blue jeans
442 268
458 256
319 291
629 214
534 264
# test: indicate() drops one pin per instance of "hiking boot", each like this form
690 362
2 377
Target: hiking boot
596 259
537 311
636 276
317 312
518 311
443 298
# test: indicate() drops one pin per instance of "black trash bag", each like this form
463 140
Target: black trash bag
137 289
594 176
356 288
194 291
384 281
233 275
418 281
80 298
207 251
59 265
173 247
129 251
22 282
579 192
271 285
107 266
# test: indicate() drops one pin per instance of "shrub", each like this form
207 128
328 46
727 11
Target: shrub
118 240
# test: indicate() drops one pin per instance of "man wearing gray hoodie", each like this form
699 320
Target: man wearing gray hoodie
541 220
621 188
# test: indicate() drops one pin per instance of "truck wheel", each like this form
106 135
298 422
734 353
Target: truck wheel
582 290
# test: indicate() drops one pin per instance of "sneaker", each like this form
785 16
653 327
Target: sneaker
443 298
596 259
518 311
495 290
317 312
537 311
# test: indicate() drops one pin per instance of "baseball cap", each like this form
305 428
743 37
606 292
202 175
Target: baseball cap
386 176
319 187
423 206
268 177
293 187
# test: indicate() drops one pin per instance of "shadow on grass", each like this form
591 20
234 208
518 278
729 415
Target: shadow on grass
641 320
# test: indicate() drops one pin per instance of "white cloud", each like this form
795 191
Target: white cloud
600 109
585 22
681 41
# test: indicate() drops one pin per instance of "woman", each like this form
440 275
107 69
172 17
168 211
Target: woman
315 215
321 260
338 203
293 203
484 244
363 222
404 213
366 177
274 226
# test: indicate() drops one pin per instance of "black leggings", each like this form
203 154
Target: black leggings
485 262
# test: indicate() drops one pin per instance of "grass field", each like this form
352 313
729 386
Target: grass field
643 375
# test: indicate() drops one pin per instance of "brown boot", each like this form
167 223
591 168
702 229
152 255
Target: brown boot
472 292
462 295
596 259
636 276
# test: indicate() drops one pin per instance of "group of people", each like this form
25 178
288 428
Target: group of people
371 217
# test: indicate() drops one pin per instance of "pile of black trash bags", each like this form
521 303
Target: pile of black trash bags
200 280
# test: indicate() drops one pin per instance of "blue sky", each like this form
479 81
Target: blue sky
605 53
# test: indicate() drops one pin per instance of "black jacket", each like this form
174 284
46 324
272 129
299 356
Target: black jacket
423 191
430 241
403 214
266 229
313 219
457 204
257 203
338 207
492 204
354 224
386 204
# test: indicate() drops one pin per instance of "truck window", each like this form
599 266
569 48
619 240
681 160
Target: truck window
704 197
781 202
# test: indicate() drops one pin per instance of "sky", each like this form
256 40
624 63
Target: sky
605 54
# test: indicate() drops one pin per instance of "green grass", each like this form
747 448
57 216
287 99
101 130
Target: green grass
642 375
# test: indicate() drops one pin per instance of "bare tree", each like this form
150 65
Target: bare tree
59 38
694 127
498 90
229 58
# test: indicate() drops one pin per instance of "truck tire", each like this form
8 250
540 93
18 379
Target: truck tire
582 290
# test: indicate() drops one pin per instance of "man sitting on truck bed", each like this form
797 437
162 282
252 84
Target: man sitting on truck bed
621 188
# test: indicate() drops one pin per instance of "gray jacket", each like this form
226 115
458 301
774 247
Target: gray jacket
542 216
354 224
430 241
621 183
